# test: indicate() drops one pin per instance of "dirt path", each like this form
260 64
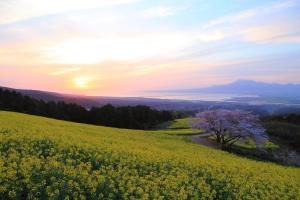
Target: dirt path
203 140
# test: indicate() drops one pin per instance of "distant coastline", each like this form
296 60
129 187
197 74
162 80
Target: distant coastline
223 97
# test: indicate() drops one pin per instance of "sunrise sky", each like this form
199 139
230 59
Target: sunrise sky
122 47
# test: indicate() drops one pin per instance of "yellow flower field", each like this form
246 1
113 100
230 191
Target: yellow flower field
43 158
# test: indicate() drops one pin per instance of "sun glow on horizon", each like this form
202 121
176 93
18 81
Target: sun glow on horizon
82 82
118 47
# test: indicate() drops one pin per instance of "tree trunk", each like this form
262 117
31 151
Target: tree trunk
219 141
223 145
218 138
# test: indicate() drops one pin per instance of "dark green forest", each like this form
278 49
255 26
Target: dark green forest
132 117
286 127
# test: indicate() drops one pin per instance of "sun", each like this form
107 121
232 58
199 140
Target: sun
81 82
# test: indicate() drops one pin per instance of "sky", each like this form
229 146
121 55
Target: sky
124 47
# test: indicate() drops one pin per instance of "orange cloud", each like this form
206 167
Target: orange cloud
276 33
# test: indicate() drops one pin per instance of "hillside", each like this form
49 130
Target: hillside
259 105
46 158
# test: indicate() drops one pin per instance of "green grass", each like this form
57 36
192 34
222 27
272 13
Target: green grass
249 144
45 158
178 127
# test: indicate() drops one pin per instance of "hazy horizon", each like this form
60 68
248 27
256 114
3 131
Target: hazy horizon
122 47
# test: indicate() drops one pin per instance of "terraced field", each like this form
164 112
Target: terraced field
50 159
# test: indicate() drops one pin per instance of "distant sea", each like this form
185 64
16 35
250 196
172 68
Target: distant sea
224 97
196 96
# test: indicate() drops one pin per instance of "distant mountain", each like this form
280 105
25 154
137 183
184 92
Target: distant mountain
166 104
249 87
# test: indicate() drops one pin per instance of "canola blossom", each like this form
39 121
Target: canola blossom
43 158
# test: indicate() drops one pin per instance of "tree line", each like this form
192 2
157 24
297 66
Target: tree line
133 117
285 127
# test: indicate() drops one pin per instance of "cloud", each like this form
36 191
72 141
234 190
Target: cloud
250 13
97 42
211 36
65 71
161 11
271 23
275 33
17 10
122 43
132 47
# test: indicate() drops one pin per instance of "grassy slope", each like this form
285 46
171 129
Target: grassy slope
120 163
178 127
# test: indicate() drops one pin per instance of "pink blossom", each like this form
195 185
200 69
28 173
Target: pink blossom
229 126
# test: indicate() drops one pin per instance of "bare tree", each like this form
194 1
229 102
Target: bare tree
230 126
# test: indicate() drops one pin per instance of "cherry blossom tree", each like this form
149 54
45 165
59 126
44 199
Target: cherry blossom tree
230 126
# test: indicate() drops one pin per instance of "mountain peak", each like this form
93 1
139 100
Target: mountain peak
252 87
244 81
